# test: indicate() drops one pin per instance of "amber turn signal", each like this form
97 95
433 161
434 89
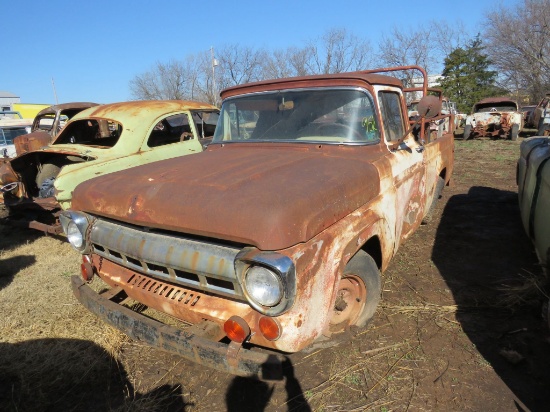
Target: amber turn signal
270 328
86 268
236 329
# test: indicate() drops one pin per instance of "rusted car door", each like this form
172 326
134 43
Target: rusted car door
407 165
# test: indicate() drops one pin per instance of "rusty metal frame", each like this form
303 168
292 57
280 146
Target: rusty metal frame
424 89
186 343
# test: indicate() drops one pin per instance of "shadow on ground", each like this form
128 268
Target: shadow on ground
73 375
12 236
10 266
247 394
485 258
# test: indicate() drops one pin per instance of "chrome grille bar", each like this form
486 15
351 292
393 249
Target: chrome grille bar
200 265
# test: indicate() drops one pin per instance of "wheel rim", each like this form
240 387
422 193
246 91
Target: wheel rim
350 301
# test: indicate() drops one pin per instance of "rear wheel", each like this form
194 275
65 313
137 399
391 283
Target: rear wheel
358 293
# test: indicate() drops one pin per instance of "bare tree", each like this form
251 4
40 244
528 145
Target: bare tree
405 48
519 46
239 65
286 63
447 37
164 81
337 51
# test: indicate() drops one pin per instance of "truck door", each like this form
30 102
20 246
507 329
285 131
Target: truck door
407 164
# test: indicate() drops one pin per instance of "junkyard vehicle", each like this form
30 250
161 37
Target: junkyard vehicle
528 116
97 141
495 117
541 116
47 124
12 125
274 237
533 178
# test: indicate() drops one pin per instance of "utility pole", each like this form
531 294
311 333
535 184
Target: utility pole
214 64
54 92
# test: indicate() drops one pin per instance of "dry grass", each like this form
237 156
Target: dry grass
527 288
415 356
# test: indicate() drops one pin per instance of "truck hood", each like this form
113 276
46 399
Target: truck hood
266 195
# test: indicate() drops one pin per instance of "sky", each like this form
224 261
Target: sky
93 49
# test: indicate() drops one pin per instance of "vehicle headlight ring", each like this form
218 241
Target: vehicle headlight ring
76 225
75 237
267 280
263 285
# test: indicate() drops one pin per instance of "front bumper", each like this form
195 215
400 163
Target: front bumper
188 344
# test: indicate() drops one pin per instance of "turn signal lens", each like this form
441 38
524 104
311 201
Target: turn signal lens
236 329
270 328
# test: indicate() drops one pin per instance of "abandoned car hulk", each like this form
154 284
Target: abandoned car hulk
273 237
496 117
39 184
47 124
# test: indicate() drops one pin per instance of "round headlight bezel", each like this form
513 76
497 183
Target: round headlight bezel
75 236
280 264
263 286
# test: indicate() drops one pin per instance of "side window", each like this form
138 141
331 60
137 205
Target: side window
172 129
390 109
205 123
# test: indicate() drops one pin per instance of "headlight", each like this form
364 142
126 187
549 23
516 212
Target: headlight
76 226
75 237
263 285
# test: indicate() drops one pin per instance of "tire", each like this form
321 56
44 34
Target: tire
358 293
48 171
467 132
440 184
541 131
514 132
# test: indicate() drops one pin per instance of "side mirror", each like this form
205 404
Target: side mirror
429 106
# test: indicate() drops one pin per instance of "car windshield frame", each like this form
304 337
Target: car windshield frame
320 115
7 138
499 106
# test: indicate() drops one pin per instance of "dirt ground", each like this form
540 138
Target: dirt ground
460 326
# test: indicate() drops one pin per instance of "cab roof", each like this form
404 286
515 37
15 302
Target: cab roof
320 80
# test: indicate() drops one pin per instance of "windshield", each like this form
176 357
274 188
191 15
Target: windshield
320 115
496 107
7 135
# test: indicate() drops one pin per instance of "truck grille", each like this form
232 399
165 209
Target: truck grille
167 291
198 265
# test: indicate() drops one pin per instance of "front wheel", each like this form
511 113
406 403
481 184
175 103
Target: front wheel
542 128
467 132
514 132
440 184
358 293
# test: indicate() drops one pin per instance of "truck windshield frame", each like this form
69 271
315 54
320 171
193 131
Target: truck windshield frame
345 115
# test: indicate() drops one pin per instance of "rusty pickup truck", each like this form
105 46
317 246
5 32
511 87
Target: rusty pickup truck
274 237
